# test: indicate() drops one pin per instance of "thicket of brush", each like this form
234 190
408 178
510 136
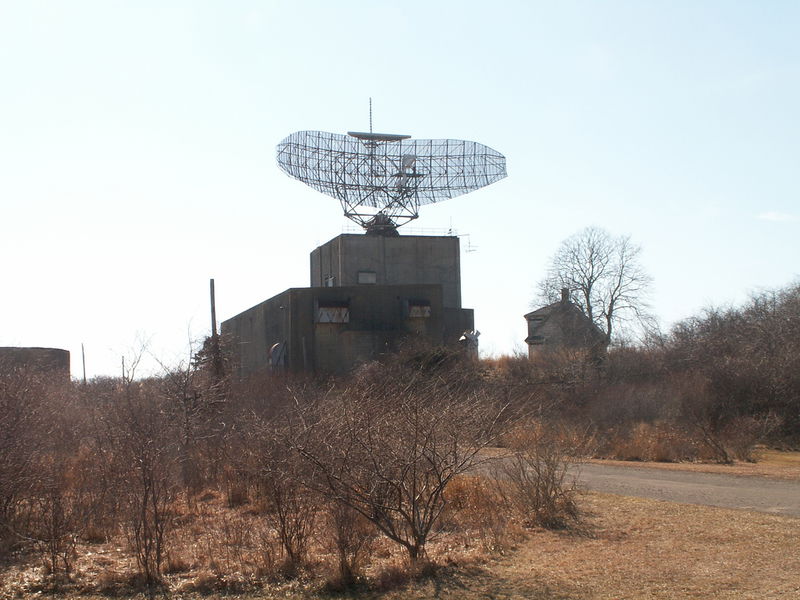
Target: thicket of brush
209 484
713 389
203 483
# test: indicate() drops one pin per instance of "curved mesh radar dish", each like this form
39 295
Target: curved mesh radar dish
382 179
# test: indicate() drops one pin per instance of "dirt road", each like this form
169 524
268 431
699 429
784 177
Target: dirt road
728 491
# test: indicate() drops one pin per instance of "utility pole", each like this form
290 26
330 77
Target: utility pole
83 358
213 314
217 367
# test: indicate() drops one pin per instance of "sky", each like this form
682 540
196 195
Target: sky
137 152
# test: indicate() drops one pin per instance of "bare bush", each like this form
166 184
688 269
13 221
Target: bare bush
478 508
287 506
55 516
291 510
732 438
146 458
350 537
196 393
537 471
659 442
388 445
748 359
744 434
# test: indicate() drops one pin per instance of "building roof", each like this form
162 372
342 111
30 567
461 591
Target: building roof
546 311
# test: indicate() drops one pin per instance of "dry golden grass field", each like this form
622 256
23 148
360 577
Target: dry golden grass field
635 548
626 548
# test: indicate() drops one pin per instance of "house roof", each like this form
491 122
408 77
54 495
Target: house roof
547 310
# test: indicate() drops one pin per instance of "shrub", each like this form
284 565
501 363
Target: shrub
145 460
659 442
350 538
388 445
477 507
537 472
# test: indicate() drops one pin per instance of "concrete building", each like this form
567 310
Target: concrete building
367 293
49 363
352 259
562 325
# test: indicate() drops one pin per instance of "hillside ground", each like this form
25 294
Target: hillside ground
627 548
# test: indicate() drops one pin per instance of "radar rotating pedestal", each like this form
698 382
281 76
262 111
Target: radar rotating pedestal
381 179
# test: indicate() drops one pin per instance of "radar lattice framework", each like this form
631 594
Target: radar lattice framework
381 179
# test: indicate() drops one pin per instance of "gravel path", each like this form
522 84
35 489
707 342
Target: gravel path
727 491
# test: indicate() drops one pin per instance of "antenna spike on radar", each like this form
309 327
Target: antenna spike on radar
382 179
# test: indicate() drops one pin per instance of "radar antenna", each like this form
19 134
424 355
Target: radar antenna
381 179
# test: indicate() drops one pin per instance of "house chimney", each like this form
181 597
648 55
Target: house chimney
564 295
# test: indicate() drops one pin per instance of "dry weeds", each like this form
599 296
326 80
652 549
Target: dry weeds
640 549
629 549
770 463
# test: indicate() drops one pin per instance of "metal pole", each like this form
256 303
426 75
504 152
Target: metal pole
83 359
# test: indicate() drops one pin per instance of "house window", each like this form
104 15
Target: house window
333 312
330 281
367 277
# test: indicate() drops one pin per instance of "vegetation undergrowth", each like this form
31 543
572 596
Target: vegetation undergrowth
196 482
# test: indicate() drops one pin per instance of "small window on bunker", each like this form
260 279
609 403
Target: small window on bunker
330 311
367 277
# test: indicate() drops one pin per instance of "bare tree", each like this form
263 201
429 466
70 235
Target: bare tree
146 450
388 446
605 278
195 400
288 506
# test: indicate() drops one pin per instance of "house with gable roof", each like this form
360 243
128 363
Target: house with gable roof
563 326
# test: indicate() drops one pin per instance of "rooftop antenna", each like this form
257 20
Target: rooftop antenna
381 179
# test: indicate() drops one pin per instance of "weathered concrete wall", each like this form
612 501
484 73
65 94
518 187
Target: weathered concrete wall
255 330
391 286
46 362
378 317
400 260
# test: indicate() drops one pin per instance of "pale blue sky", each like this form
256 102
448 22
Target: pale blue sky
137 145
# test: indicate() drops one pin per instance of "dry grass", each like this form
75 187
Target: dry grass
629 549
641 549
770 463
